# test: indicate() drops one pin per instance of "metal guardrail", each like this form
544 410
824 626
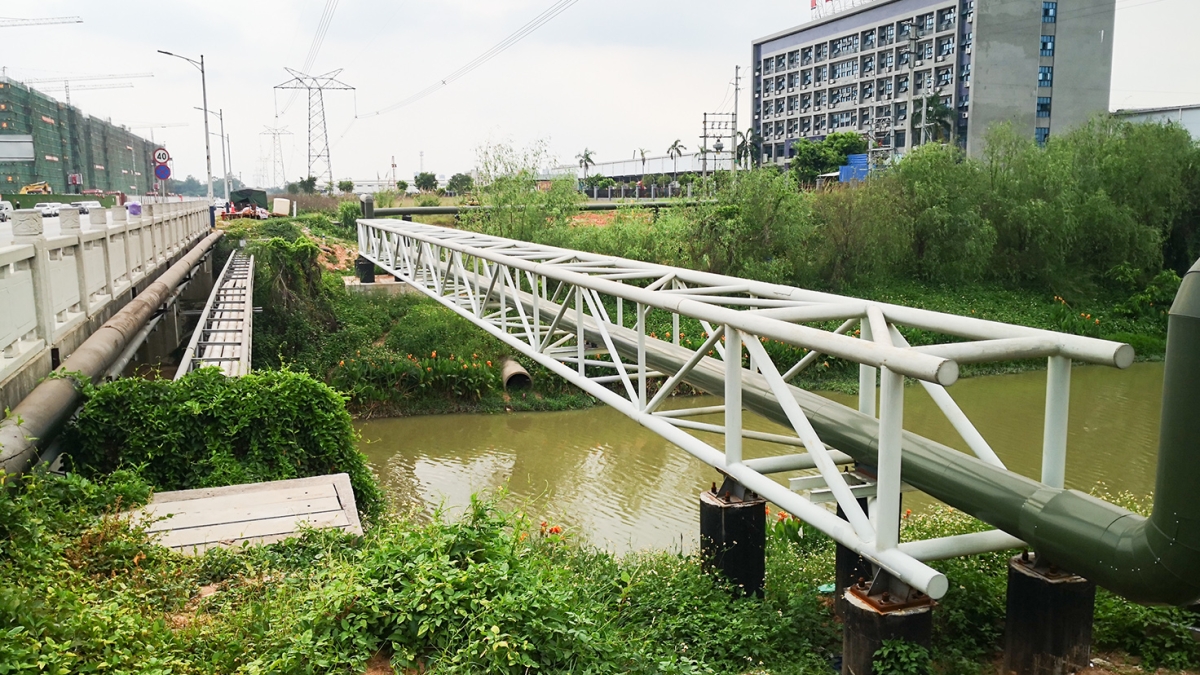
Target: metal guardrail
370 211
223 336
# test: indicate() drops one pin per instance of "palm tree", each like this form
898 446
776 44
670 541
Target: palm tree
931 119
643 152
702 152
675 152
749 147
585 160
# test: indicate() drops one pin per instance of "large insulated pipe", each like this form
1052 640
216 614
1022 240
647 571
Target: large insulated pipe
1149 560
37 418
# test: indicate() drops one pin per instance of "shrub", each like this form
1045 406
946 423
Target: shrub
428 200
348 213
208 430
897 657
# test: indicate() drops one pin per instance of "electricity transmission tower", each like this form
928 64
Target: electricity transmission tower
277 172
318 135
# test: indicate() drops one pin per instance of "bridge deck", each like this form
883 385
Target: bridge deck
224 332
192 521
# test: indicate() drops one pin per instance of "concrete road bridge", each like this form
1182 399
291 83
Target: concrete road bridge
584 316
85 299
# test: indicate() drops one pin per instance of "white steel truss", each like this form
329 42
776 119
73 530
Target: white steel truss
223 335
567 311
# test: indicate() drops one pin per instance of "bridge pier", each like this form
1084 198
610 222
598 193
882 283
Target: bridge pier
733 535
1048 620
880 609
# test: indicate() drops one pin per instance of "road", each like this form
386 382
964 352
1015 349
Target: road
50 227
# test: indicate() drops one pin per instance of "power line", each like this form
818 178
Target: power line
315 47
537 22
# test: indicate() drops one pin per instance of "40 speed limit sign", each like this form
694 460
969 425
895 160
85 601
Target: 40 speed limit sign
161 156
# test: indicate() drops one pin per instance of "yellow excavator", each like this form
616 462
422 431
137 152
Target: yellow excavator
42 188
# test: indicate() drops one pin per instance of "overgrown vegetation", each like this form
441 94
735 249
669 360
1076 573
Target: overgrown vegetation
492 592
1050 237
391 354
209 430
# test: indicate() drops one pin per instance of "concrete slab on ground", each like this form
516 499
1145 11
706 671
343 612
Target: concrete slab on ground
384 285
192 521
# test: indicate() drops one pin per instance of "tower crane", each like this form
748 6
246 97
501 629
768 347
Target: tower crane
68 79
18 23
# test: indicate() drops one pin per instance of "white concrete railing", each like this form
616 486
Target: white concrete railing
49 286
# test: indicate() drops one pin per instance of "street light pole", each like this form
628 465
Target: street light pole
226 159
204 94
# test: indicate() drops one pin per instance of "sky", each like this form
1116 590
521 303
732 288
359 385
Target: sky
610 76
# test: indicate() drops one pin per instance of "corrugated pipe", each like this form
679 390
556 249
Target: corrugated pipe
1149 560
39 416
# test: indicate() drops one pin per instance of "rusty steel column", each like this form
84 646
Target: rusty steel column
733 535
877 610
1048 620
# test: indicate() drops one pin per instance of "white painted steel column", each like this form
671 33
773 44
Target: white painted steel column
733 396
1058 403
866 376
891 426
579 350
641 340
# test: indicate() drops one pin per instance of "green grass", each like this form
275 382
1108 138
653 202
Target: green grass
491 592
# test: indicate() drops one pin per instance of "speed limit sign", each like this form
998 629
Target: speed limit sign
161 156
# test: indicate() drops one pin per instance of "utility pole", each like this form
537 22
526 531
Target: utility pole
717 126
737 77
226 161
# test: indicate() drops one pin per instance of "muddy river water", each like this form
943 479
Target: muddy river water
619 486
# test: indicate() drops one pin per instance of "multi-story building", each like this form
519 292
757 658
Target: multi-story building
1040 65
42 139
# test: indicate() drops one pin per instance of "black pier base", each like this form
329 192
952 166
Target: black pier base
879 610
1048 622
850 568
365 270
733 535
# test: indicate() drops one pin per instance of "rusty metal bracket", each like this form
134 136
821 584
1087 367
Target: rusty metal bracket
885 593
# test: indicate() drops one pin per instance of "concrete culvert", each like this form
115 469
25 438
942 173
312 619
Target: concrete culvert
514 375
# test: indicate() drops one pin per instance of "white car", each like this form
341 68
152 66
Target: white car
6 211
48 209
90 205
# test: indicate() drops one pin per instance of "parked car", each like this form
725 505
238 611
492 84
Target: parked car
48 209
86 207
6 211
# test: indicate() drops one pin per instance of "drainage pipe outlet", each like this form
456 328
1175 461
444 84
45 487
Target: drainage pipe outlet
514 375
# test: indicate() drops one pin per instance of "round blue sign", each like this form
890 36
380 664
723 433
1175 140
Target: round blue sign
162 172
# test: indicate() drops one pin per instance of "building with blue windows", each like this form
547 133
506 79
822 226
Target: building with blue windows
1039 65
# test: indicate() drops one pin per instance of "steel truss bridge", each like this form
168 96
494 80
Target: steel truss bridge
223 335
584 316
